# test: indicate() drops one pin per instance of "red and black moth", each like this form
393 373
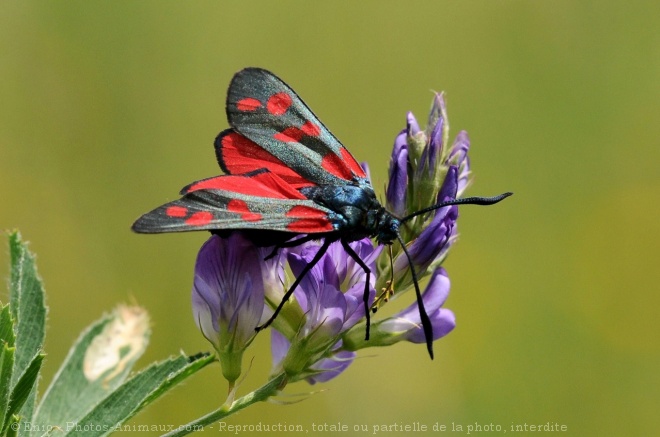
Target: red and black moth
288 181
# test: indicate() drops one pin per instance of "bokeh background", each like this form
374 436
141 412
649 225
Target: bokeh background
108 108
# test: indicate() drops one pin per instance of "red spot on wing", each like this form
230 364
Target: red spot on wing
352 163
294 134
240 155
264 184
248 104
308 220
335 165
311 129
240 207
176 211
289 135
343 167
278 103
237 205
199 218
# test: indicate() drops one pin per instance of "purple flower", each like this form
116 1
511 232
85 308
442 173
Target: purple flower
406 325
228 295
330 297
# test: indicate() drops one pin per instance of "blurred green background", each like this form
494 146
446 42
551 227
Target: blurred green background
108 108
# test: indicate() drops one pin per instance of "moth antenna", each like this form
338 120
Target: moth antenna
463 201
426 321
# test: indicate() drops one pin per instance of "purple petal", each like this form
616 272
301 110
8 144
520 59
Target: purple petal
366 251
459 157
407 323
228 288
434 296
449 185
443 322
412 127
460 148
204 318
331 367
397 186
318 294
326 311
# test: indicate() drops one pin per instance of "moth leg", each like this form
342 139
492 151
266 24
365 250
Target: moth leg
365 296
322 250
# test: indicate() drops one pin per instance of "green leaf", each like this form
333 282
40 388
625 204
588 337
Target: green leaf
27 308
99 362
24 387
6 327
26 302
6 366
7 354
136 393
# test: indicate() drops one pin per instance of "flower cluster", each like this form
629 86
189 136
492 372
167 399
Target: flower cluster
320 328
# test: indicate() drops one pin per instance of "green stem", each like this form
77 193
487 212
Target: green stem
261 394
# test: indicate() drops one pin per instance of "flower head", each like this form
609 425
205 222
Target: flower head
424 172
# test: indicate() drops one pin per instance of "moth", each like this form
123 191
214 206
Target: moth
287 181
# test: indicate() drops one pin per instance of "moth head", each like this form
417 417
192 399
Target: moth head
388 228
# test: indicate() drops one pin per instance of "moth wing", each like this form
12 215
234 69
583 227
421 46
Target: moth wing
265 110
256 200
